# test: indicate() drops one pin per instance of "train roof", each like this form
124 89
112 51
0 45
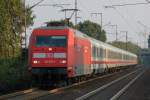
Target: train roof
53 27
94 41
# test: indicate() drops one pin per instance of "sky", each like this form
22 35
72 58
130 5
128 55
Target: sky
133 19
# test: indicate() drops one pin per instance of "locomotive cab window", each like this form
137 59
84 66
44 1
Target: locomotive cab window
51 41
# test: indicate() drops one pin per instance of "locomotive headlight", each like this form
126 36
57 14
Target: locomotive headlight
63 61
35 61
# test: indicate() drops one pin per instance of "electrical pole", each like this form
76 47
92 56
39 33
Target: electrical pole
65 14
126 32
126 39
101 15
116 32
101 22
116 26
146 30
76 12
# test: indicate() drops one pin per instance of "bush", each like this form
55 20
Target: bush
13 74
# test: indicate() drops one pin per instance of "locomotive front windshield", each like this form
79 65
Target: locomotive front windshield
51 41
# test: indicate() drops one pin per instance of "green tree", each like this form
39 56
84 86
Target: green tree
92 29
12 18
11 26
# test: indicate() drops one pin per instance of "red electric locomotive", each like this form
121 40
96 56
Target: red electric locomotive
54 54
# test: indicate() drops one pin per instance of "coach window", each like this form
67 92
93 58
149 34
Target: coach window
126 57
97 51
104 53
101 52
94 51
115 55
108 53
118 55
123 57
111 54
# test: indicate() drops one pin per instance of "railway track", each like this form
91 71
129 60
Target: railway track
114 89
33 94
82 89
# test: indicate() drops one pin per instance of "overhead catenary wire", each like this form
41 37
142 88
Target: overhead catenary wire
35 5
132 18
126 21
123 17
127 4
111 6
